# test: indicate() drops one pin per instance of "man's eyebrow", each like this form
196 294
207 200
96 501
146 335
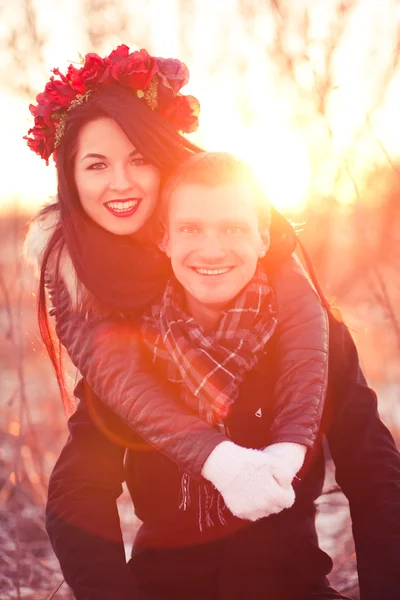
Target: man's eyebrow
237 222
184 221
199 221
103 156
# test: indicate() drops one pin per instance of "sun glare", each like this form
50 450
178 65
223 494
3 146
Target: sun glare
284 171
277 155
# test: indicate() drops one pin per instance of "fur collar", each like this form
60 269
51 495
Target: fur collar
38 236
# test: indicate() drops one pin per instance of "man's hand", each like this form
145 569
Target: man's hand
253 483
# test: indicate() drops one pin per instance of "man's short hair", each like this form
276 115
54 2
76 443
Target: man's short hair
217 168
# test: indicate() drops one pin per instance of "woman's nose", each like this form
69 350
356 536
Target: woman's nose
121 180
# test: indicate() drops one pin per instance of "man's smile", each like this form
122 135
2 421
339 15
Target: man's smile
212 271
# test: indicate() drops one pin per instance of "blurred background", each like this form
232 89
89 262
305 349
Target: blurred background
308 93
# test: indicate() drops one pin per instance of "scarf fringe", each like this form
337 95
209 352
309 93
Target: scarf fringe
208 498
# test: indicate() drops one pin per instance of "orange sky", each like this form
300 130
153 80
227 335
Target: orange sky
289 149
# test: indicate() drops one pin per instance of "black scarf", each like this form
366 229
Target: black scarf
122 273
126 275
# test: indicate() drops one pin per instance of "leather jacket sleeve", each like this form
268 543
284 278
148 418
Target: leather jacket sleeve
367 469
302 336
108 354
82 519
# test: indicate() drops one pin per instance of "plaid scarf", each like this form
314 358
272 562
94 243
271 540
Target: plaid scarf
210 368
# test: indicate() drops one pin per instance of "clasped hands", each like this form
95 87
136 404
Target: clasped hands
255 483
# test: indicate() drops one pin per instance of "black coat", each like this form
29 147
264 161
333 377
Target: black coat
87 480
108 353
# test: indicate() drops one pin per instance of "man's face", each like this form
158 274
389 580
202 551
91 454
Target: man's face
213 240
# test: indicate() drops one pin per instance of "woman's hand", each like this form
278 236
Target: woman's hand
289 458
253 484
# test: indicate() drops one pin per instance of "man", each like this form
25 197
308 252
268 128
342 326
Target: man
214 238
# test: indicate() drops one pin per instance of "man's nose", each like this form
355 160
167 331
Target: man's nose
212 248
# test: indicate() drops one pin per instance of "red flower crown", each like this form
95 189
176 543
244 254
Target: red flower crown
156 80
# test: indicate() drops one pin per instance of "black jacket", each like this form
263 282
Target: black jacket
109 355
367 465
87 480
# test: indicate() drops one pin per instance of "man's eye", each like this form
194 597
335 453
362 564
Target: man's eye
188 229
235 230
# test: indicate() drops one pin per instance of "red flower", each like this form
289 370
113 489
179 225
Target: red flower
60 93
42 111
173 73
93 71
135 71
183 113
41 143
74 77
117 55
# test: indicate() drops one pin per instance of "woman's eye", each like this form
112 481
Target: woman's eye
139 161
188 229
234 230
96 166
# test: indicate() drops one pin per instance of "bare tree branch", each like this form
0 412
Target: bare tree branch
23 50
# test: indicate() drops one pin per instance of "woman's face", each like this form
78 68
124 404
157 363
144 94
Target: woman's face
117 187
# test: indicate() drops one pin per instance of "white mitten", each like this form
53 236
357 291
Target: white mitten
246 480
289 460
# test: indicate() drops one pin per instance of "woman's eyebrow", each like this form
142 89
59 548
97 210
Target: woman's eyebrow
93 155
103 156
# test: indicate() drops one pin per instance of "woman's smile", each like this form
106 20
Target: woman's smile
117 187
123 208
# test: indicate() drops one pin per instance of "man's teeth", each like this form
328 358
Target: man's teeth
212 271
122 206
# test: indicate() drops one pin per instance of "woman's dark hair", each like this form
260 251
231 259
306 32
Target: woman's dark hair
163 146
157 140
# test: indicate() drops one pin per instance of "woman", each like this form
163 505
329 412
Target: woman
103 231
103 349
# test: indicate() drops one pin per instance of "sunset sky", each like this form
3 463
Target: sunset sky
256 113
